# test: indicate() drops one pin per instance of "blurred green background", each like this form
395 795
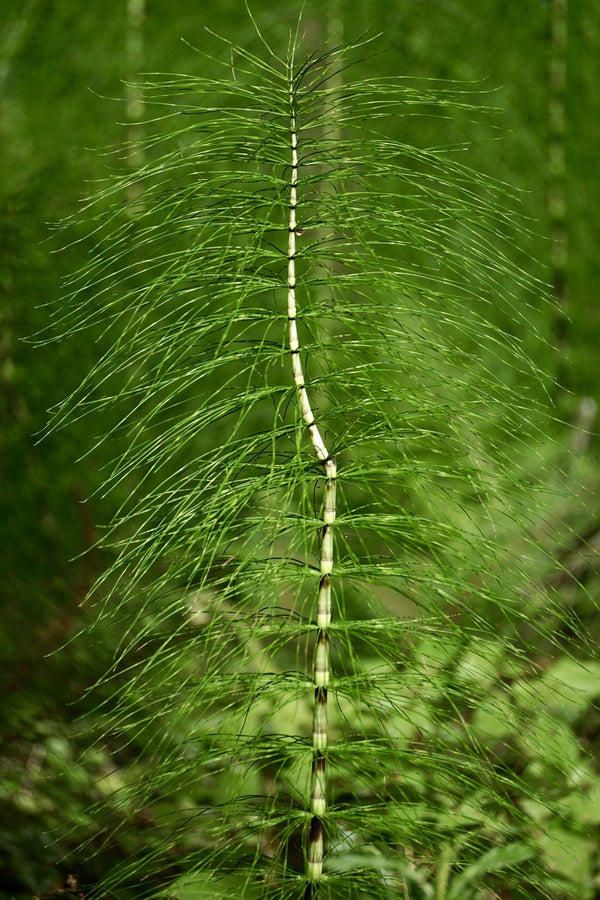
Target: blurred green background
63 69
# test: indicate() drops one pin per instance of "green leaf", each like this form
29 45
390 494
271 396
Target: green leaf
583 805
570 856
572 684
548 739
494 860
567 687
203 886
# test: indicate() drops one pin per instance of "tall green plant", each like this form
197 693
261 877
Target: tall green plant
305 313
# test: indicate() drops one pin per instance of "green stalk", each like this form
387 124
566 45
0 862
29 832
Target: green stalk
134 106
557 171
315 849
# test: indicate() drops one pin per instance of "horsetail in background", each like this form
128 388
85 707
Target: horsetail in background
401 323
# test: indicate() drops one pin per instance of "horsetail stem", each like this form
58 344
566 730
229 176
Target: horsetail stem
315 849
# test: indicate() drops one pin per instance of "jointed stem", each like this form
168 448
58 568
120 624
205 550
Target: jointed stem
315 850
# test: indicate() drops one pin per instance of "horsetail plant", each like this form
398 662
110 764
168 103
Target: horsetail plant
394 352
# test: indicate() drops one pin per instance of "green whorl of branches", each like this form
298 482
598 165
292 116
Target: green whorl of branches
273 278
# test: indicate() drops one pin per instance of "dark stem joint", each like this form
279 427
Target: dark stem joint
316 829
318 764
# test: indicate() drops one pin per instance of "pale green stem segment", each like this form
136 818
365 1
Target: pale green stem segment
315 850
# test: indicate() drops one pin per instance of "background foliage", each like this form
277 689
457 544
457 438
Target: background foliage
59 62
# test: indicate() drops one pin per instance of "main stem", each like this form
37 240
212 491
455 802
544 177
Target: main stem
315 848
